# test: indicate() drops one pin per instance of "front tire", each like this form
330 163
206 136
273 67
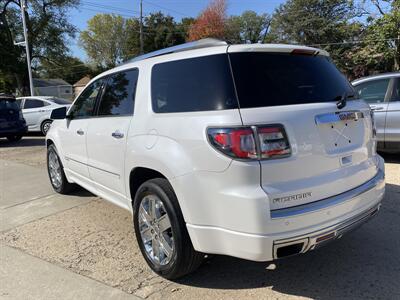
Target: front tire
56 173
161 231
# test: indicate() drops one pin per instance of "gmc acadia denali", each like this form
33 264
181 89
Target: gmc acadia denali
255 151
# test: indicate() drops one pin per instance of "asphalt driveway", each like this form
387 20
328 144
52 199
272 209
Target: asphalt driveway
77 246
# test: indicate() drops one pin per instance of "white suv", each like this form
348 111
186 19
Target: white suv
254 151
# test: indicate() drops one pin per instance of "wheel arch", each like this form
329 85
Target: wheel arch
138 176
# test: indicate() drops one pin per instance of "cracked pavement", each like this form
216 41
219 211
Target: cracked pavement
90 244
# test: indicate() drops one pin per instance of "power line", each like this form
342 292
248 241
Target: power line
356 42
166 8
109 7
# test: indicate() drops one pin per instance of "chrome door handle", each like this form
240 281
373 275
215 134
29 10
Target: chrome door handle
80 132
117 135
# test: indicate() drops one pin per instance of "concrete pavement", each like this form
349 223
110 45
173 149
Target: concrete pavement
23 276
88 245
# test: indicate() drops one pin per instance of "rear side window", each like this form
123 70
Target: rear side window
119 96
60 101
373 91
33 103
195 84
8 104
270 79
396 95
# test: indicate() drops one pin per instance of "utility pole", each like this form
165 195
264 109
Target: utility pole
28 56
141 26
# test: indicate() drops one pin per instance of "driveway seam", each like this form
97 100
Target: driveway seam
60 211
30 200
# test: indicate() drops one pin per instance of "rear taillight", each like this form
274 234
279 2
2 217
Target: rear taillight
262 142
235 142
273 142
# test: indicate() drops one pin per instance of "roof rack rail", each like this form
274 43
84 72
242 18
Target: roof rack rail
203 43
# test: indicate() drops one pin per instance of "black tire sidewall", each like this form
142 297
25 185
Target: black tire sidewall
176 219
61 189
42 126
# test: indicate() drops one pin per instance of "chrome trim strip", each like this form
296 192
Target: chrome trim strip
338 117
336 231
327 202
69 158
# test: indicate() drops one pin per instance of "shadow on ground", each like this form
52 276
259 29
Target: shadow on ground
391 157
27 141
364 264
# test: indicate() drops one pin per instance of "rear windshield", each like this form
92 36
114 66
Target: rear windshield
270 79
8 104
195 84
60 101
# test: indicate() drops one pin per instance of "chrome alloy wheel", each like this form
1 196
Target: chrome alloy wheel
55 169
46 127
155 230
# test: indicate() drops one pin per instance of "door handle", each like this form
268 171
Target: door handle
80 132
377 108
117 135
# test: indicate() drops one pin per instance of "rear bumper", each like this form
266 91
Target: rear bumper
295 233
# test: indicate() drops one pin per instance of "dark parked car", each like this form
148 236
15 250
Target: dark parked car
12 123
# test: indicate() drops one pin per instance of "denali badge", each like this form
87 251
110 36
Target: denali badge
350 115
292 197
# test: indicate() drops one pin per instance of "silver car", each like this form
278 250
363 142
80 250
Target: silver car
382 92
37 111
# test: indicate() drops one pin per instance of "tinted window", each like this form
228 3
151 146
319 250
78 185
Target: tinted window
373 91
33 103
8 104
196 84
396 95
119 95
18 102
270 79
60 101
84 105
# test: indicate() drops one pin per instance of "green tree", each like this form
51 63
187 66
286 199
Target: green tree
249 27
328 24
161 31
48 33
69 68
380 50
105 40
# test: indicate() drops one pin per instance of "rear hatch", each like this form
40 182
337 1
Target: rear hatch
332 147
9 113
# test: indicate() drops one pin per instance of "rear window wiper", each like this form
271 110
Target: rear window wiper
341 99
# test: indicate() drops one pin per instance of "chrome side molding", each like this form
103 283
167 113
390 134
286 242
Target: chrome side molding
327 202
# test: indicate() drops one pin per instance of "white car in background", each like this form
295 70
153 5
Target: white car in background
37 110
382 93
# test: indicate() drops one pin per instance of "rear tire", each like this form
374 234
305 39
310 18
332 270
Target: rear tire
175 256
56 173
44 128
14 138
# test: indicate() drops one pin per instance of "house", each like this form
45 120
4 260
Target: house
53 87
80 84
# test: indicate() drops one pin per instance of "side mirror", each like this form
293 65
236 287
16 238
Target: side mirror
59 113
